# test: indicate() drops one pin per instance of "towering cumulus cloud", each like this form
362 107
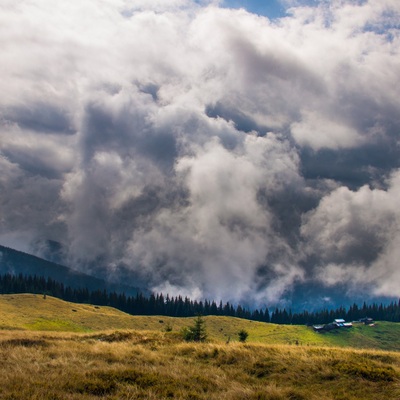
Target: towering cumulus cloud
202 150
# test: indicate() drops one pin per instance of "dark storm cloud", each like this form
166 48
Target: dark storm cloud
124 124
272 66
242 121
367 164
201 150
40 117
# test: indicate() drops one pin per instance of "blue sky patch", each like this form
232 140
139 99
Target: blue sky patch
270 8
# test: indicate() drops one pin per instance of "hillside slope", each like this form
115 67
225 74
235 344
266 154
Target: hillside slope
33 312
18 262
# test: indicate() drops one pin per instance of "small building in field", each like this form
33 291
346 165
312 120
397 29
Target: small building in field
366 321
318 328
336 324
339 322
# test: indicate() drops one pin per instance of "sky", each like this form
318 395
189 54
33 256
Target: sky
216 149
269 8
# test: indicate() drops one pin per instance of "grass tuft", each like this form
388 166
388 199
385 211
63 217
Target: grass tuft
369 372
24 342
113 337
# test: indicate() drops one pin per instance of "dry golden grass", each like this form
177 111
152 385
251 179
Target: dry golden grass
128 364
51 349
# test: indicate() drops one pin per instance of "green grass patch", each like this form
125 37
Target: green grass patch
44 324
32 312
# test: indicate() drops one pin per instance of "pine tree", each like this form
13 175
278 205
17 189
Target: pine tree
196 332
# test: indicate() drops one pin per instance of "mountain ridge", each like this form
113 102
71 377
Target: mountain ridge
18 262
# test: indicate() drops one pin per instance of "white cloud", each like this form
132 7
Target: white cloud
318 132
218 241
108 144
356 235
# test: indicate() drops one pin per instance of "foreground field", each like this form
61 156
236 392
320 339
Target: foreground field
156 365
55 350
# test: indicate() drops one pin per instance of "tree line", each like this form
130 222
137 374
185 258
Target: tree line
158 304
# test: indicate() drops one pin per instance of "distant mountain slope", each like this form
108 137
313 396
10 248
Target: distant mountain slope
309 295
18 262
313 296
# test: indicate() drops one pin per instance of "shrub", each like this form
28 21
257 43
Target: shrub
168 327
243 335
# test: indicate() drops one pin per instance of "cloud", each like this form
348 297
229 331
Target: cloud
223 234
318 132
203 149
358 232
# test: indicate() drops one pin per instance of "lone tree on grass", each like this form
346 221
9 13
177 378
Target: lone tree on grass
196 332
243 335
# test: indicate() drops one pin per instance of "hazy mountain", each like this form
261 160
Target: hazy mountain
16 262
303 296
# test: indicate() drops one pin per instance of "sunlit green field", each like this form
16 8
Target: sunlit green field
33 312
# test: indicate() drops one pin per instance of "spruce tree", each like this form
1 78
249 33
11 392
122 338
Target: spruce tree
196 332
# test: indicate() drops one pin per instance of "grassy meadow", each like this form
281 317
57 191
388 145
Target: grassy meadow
33 312
155 365
51 349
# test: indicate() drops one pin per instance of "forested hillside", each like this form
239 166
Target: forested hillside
159 304
17 262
